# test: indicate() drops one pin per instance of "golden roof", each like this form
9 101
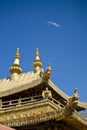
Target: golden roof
20 82
24 81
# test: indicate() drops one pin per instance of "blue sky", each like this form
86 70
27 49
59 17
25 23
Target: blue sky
58 28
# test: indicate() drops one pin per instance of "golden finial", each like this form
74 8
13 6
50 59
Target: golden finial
17 54
15 68
37 63
47 73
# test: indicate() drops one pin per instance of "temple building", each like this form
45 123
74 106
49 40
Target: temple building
31 101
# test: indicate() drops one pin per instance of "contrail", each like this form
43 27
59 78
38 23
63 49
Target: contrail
53 24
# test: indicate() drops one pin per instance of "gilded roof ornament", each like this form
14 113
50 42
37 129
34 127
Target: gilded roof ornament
15 67
47 73
37 63
46 93
75 94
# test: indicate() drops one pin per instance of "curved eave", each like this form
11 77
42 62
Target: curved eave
58 90
80 118
80 105
75 120
83 105
21 87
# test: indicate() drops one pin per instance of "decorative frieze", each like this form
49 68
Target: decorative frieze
30 115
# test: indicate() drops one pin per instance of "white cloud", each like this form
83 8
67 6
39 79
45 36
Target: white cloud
53 24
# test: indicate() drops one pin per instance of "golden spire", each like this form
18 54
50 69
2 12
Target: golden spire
37 63
47 73
15 68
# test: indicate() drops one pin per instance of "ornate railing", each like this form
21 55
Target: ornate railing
31 116
27 100
20 101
